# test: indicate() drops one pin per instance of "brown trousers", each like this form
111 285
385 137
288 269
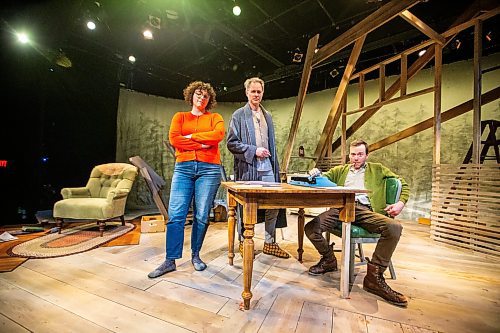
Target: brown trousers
388 228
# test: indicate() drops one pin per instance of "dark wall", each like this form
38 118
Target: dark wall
67 115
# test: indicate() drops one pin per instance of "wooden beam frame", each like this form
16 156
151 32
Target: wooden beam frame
393 100
420 25
299 104
469 22
420 63
370 23
379 17
454 112
463 22
330 123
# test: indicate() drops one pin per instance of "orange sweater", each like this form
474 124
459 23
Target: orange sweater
206 129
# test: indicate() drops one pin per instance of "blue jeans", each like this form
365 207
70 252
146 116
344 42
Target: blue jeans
191 179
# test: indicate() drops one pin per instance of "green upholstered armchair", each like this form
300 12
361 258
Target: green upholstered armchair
102 199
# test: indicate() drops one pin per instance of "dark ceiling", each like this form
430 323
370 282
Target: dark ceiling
203 40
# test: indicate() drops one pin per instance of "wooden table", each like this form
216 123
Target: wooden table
253 197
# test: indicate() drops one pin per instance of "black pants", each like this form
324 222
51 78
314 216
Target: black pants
388 228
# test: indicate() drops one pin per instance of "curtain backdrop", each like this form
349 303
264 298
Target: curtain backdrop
143 122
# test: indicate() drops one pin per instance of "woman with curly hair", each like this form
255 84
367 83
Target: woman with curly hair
195 135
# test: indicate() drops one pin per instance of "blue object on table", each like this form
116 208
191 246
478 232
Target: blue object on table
318 181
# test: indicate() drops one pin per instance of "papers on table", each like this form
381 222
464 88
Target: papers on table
256 183
5 237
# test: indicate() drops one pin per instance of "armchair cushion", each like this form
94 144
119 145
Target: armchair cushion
75 192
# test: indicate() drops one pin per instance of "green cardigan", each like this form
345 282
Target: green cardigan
375 176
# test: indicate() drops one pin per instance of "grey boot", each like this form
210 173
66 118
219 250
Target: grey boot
167 266
198 264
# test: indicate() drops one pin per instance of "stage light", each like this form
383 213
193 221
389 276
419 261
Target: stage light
22 38
457 43
297 56
61 59
147 34
154 22
91 25
489 37
131 59
236 10
334 72
172 14
421 53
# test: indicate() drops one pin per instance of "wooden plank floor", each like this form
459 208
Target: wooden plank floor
107 290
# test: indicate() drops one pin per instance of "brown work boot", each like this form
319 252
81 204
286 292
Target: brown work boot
275 250
327 263
374 283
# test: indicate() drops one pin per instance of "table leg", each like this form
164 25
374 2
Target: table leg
250 218
347 215
231 221
344 263
300 224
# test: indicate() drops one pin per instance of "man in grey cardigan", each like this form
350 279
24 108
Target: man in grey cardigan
252 141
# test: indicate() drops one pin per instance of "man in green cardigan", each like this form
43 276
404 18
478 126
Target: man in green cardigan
372 214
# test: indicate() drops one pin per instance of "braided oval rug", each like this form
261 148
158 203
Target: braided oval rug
73 240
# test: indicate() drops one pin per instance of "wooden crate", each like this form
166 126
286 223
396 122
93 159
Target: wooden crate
153 223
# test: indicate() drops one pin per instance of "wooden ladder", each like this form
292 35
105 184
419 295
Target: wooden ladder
491 141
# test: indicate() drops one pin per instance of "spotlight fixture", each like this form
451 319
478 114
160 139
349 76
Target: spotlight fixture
154 22
334 72
91 25
489 37
61 59
172 14
421 53
236 9
131 58
22 38
297 56
457 43
147 34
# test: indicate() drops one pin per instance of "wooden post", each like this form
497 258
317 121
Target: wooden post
361 91
343 149
438 50
476 117
381 90
404 73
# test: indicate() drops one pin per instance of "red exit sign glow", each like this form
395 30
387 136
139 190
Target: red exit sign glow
3 163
